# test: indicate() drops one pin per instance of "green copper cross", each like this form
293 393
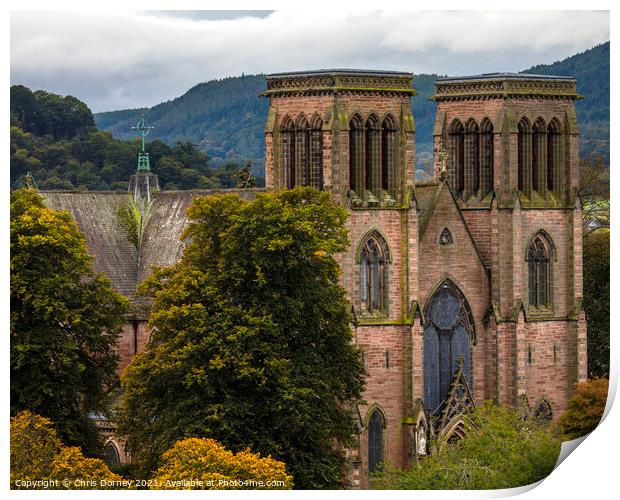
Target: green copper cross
143 128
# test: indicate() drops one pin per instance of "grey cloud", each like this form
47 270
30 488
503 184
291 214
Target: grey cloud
121 60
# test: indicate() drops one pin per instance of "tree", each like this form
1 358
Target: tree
205 464
596 272
500 450
65 321
594 190
251 341
585 408
37 455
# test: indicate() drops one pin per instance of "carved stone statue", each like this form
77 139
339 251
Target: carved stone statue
421 449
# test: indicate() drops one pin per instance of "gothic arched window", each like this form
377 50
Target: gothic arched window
539 152
376 424
302 152
356 155
539 271
553 154
112 456
486 157
373 270
524 156
447 336
287 153
373 155
472 159
389 156
316 153
456 157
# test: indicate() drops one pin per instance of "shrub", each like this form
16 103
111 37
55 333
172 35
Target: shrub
585 408
501 450
194 460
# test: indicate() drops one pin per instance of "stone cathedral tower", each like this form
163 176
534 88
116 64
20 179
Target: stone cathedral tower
466 288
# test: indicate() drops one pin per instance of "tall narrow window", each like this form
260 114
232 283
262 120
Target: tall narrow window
538 260
373 260
376 424
486 157
553 154
472 159
373 153
356 155
316 153
302 152
389 157
539 154
287 153
524 153
456 157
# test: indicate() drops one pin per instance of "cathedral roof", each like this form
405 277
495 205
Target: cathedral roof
114 254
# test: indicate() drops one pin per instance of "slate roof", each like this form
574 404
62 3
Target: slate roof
113 254
426 196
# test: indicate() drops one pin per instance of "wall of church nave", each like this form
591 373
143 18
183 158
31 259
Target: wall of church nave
132 340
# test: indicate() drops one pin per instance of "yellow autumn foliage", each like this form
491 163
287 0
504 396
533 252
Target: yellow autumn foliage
38 458
195 463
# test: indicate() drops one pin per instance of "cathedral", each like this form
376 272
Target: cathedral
464 288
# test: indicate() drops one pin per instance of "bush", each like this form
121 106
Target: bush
500 450
38 455
196 460
585 408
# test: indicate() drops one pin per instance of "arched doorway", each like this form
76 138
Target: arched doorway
112 456
447 336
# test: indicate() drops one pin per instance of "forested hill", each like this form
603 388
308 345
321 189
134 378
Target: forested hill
226 117
591 68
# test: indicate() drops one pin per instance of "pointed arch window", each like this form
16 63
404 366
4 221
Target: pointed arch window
356 155
301 153
539 271
389 156
486 157
448 334
456 156
539 154
373 271
553 154
376 425
472 159
112 456
524 156
373 156
287 153
316 153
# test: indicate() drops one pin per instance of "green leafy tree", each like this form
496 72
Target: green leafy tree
500 450
65 320
251 343
596 273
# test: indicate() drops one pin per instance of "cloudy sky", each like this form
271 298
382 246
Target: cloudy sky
116 60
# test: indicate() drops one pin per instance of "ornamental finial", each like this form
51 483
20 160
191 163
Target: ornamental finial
143 128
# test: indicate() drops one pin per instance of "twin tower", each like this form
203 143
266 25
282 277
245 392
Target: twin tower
466 288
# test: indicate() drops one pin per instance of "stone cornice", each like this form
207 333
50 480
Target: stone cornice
452 90
326 82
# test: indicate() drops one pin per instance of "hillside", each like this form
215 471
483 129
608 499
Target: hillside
591 68
226 117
